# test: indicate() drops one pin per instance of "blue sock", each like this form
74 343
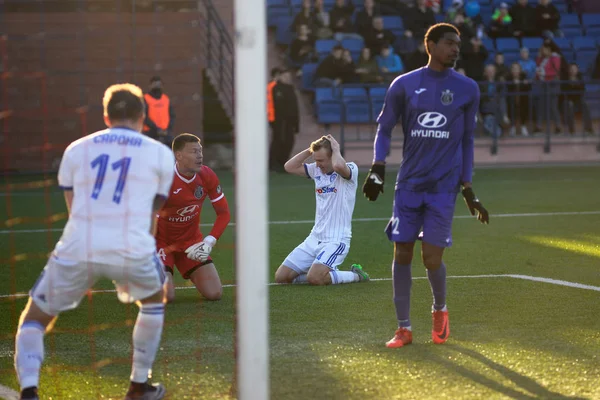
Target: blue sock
437 280
402 276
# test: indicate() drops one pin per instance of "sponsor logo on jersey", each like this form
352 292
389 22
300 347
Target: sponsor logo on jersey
447 97
177 191
185 214
431 121
326 190
199 192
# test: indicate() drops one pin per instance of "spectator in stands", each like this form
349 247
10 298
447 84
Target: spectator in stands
502 70
418 20
287 122
302 48
527 64
323 21
547 19
461 71
395 7
305 17
349 74
574 90
457 7
364 18
501 25
492 105
596 68
474 23
378 37
331 70
275 73
417 59
548 72
160 115
367 68
474 54
523 19
341 20
389 63
466 31
517 89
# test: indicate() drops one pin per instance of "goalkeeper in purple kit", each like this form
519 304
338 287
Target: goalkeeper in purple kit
437 108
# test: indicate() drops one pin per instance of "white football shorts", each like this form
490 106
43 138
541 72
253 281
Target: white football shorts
62 284
312 251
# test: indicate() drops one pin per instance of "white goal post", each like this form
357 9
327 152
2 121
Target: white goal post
251 184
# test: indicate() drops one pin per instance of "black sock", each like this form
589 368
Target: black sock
29 393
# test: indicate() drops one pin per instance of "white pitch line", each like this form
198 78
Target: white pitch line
311 221
7 393
523 277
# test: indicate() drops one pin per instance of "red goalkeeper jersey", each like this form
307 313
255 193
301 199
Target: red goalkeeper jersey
179 218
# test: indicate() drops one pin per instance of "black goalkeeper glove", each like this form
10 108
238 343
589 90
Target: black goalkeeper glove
374 183
474 204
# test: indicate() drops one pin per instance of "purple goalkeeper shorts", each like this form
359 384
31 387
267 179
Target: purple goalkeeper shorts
433 212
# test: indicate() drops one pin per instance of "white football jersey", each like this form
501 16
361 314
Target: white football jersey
335 198
115 175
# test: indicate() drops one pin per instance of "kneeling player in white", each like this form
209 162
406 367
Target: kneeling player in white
316 260
114 182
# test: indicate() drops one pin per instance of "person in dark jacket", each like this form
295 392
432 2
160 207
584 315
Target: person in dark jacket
574 90
523 19
330 71
286 123
547 19
518 88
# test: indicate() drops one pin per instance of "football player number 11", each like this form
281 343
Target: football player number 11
101 162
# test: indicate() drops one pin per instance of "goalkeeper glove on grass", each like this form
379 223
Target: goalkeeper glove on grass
473 204
374 183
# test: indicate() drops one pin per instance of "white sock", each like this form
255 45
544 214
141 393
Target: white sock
338 277
29 353
146 338
303 278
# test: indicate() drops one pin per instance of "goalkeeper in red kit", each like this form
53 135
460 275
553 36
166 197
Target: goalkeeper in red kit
179 241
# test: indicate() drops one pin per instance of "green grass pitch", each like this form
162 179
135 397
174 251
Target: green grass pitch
511 338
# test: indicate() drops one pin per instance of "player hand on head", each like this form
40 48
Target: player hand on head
374 183
335 146
473 204
201 251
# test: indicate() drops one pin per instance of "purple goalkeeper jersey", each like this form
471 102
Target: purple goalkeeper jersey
438 113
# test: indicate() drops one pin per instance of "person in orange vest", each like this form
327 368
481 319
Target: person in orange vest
275 73
160 116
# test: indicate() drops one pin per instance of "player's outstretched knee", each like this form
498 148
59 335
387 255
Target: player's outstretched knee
214 295
284 275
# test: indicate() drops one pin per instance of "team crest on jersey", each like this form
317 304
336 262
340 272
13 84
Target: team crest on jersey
447 97
219 190
199 192
332 177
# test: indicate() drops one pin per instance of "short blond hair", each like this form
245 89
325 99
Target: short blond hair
123 102
321 143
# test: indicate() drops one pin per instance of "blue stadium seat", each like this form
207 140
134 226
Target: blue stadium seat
329 112
308 74
510 58
392 22
275 12
354 93
498 2
572 32
324 46
586 60
440 18
276 3
584 43
488 44
283 35
563 43
376 106
593 32
569 21
569 55
377 92
507 45
325 94
354 45
561 7
533 44
357 111
590 20
296 3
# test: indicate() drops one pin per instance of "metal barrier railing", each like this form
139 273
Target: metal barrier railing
547 111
